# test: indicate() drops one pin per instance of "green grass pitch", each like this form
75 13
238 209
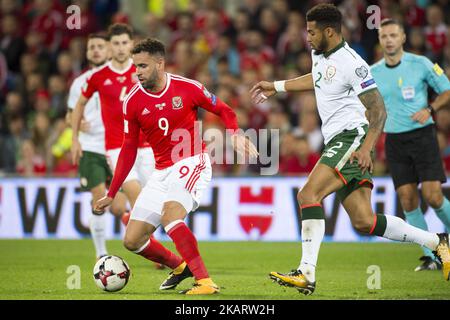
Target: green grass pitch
37 269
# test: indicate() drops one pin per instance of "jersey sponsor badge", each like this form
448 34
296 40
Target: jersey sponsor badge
437 69
160 106
145 111
107 82
367 83
362 72
177 102
408 93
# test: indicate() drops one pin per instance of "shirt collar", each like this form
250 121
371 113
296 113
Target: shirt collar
329 52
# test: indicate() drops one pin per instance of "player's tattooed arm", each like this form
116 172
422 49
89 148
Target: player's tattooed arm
376 114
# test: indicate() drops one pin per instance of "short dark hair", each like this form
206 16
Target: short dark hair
151 46
389 21
119 28
326 16
98 35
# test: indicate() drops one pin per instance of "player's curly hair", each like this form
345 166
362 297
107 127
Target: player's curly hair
326 16
119 28
151 46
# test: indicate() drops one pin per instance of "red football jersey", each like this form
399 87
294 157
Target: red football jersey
112 86
167 118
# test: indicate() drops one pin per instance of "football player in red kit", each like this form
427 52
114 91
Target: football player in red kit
164 106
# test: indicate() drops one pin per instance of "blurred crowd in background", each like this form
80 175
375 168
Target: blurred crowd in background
228 45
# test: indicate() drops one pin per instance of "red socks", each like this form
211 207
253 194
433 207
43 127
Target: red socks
125 218
187 246
156 252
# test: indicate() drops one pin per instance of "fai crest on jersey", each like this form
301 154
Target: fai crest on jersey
177 103
329 74
362 72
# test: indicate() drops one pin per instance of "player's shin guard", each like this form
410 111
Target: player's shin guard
313 230
417 219
187 246
394 228
97 226
153 250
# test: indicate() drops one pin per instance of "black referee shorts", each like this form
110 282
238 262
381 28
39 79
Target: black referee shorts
414 156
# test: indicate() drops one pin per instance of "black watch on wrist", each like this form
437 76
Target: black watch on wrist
430 109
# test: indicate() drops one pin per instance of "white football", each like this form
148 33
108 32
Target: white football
111 273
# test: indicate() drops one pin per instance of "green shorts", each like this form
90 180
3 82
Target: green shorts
336 155
93 170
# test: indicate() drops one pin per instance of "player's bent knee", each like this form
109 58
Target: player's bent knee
307 197
434 199
408 203
131 244
117 210
363 225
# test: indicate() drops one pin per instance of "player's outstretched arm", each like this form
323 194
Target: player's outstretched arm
76 116
264 89
213 104
376 114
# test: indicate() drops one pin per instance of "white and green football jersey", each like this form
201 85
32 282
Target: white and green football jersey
339 76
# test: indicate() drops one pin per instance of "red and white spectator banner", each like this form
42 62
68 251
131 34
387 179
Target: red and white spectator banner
231 209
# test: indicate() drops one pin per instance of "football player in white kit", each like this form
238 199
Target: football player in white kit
344 89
